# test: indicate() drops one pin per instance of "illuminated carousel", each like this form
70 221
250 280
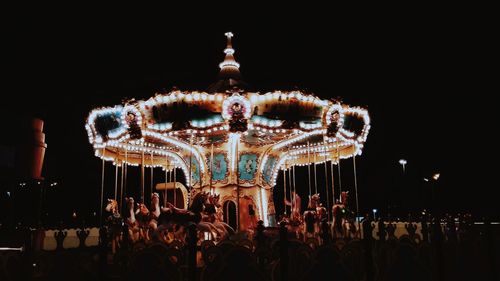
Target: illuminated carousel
225 141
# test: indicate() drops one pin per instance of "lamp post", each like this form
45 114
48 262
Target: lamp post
401 191
403 163
374 214
432 182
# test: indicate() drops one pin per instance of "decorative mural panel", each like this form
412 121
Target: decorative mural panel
247 167
267 172
195 169
220 172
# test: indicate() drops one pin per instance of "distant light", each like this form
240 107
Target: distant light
436 176
426 179
403 163
375 210
20 249
8 193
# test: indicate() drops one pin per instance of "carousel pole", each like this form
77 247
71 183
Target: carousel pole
121 186
190 185
284 186
355 185
116 181
201 178
125 174
309 167
326 185
143 199
315 177
175 187
333 183
166 180
152 171
237 186
290 185
211 166
124 182
102 186
294 188
338 169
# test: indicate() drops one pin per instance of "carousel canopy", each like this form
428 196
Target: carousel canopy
226 126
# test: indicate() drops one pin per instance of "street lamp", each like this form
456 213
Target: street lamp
403 163
374 214
432 184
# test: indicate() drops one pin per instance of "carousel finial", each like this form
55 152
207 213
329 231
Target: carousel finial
229 64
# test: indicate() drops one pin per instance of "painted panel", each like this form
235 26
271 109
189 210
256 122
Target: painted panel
247 166
195 169
268 169
219 168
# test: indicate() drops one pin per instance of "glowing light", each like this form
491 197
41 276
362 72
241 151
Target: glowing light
266 122
264 199
310 126
236 98
234 139
229 63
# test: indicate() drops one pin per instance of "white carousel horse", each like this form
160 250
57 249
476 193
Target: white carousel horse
133 225
311 221
339 211
142 216
155 211
296 205
213 214
114 222
295 221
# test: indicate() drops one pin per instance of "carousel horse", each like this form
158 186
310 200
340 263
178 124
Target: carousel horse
114 222
321 212
350 229
132 223
295 220
213 214
311 217
296 204
340 211
173 217
142 216
155 212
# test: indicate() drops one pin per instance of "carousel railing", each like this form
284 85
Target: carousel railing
422 251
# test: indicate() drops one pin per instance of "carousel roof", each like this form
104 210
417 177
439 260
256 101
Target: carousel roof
229 75
174 124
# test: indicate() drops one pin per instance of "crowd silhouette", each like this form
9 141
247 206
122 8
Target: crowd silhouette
427 248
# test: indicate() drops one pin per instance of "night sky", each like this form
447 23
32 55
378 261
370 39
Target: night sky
422 76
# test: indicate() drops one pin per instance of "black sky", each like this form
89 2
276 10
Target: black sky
422 75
